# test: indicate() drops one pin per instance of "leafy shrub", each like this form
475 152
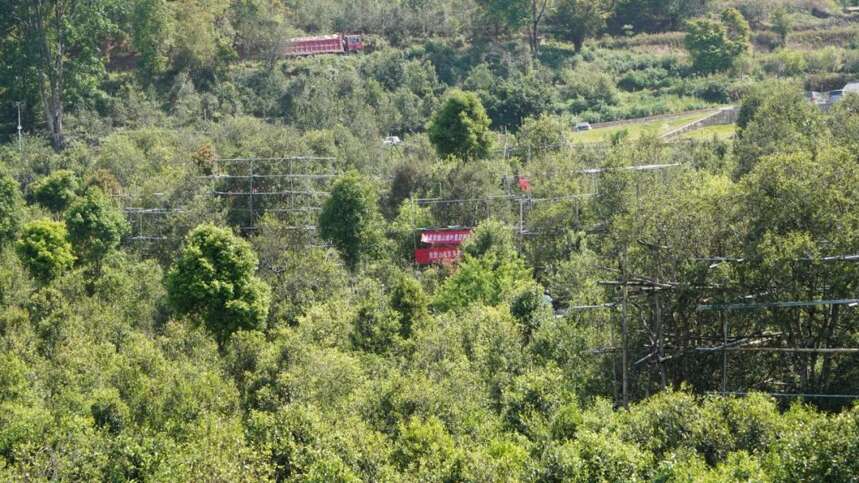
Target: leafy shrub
95 226
650 78
44 249
57 190
11 205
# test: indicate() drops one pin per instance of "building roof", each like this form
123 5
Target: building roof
851 87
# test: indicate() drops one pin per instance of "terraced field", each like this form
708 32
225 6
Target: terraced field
635 130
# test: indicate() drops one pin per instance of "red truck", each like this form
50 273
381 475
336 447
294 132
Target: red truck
322 44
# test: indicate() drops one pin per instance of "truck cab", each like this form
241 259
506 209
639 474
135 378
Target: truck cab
353 43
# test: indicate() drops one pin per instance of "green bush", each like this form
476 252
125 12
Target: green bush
11 205
44 249
57 190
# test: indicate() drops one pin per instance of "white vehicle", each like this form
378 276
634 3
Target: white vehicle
392 141
583 126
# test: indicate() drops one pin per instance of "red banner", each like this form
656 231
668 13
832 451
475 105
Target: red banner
444 237
428 256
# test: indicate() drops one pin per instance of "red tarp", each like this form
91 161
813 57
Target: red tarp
444 237
428 256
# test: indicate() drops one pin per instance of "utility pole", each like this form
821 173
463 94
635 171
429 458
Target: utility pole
252 221
20 128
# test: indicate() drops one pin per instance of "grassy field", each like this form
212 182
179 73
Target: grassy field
635 130
723 132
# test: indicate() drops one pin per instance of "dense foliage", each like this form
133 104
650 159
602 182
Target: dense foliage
207 249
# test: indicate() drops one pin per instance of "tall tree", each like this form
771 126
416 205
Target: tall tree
58 45
95 226
577 20
213 281
535 19
351 221
715 44
506 15
461 127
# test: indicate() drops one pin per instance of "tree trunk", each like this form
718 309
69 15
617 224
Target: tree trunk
52 100
538 10
51 64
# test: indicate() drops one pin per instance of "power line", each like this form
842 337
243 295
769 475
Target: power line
643 167
777 305
832 258
441 201
270 193
280 158
267 176
787 395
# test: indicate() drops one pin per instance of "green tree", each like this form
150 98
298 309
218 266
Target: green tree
152 37
778 121
377 327
425 448
490 273
213 281
843 122
782 24
350 219
461 127
491 235
11 205
578 20
716 44
411 303
57 190
44 249
505 15
655 15
536 15
260 26
511 100
95 225
799 208
57 44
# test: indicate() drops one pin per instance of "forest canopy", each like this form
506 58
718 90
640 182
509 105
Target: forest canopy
479 240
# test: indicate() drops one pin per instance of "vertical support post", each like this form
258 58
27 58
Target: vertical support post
140 225
252 220
660 343
521 216
624 336
505 143
414 208
724 352
613 346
